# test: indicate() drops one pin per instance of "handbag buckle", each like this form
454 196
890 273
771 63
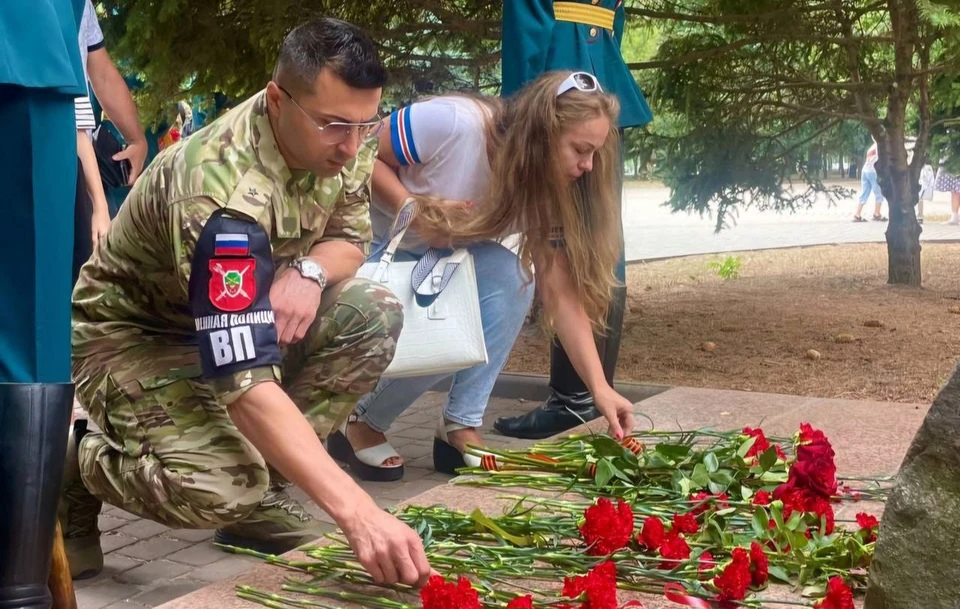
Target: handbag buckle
438 308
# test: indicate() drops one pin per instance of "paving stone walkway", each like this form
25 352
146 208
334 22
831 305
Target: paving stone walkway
147 564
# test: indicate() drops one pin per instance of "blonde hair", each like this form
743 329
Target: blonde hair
529 192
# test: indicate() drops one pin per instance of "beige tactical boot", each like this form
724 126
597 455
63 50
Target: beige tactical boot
278 525
78 512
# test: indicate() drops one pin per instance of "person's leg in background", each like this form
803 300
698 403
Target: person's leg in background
954 208
878 199
37 167
570 403
865 189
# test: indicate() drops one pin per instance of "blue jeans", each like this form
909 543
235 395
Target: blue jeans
505 300
868 184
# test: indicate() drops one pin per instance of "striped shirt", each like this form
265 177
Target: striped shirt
84 113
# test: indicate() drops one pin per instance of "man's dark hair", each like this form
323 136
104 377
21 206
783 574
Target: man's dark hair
331 43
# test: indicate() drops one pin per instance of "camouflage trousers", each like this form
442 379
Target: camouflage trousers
169 451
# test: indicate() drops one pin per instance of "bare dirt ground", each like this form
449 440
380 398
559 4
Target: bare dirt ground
873 341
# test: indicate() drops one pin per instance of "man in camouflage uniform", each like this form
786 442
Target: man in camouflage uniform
203 327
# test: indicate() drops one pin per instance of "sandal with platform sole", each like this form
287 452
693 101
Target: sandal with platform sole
447 458
366 463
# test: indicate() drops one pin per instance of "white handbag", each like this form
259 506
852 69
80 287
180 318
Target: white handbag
442 329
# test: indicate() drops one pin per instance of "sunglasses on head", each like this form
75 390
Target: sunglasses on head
581 81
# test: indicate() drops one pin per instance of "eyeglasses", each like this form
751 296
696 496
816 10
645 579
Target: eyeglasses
336 132
581 81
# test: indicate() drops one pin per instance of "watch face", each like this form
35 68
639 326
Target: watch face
309 267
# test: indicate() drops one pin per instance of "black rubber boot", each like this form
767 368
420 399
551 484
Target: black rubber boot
570 403
34 421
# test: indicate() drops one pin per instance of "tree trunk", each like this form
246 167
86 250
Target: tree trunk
903 232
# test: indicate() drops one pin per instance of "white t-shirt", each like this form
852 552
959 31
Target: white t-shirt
869 164
441 146
90 38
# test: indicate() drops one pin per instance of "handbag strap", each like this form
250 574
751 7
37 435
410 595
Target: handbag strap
425 291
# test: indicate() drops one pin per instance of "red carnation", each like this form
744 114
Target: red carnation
521 602
652 534
701 503
686 523
760 446
810 435
607 529
868 523
599 584
839 596
707 563
815 471
759 565
674 550
440 594
735 578
762 498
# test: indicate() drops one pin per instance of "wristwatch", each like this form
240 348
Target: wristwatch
310 269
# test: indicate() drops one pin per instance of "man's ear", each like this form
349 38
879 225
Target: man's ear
273 97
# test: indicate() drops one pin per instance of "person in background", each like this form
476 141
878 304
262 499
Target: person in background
948 182
112 93
868 185
927 187
91 213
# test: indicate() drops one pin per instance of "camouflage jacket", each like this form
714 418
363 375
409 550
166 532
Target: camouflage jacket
130 307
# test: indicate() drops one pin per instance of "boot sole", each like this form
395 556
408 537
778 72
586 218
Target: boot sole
264 546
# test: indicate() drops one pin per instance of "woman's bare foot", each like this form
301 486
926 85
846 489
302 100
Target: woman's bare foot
460 438
360 435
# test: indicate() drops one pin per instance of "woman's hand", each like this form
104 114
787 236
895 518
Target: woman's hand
99 225
618 411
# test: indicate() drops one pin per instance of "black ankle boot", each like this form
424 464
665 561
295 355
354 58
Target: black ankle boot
34 421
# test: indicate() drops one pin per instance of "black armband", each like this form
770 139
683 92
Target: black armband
230 278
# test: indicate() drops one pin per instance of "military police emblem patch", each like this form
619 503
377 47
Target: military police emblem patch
232 284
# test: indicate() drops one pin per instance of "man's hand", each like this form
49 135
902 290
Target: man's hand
295 301
617 410
136 154
388 549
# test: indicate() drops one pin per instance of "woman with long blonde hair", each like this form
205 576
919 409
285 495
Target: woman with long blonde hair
543 164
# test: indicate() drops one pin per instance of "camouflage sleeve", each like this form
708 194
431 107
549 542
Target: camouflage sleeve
225 260
350 221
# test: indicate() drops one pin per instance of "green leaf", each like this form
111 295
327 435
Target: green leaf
794 521
723 476
605 446
768 459
605 472
711 461
797 539
779 574
774 477
814 590
725 511
656 461
700 476
716 488
760 522
776 510
686 485
485 522
673 451
746 493
746 446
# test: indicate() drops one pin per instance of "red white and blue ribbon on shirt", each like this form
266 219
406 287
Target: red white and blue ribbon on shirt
401 135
